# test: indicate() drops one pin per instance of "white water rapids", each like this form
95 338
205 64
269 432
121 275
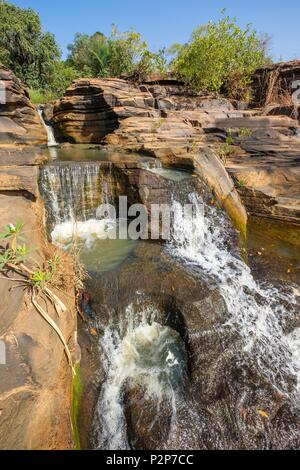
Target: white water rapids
256 313
143 352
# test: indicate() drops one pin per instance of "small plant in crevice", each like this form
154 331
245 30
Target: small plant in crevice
241 183
245 132
35 279
157 124
230 140
194 145
224 151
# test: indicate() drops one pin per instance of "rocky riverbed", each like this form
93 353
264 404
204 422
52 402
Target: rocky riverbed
180 330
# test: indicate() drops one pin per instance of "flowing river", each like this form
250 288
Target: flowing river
178 384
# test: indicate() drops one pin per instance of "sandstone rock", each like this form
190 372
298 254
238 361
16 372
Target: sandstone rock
155 133
267 174
48 112
35 385
19 120
91 109
162 117
224 387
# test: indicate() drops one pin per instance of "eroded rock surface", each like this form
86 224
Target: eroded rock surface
19 120
36 380
221 403
165 119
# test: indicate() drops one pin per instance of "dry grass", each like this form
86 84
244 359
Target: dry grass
71 273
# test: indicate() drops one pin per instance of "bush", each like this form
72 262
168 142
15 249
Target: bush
220 55
62 79
113 56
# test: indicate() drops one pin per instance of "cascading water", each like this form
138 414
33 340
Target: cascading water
72 193
50 132
139 353
257 312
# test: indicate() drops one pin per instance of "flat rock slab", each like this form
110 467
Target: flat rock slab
21 157
23 179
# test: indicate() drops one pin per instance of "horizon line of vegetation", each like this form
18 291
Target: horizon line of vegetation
220 56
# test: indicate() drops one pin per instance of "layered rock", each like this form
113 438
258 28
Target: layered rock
91 109
19 120
165 119
36 380
265 166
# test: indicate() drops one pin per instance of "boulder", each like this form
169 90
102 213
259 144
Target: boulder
91 109
19 121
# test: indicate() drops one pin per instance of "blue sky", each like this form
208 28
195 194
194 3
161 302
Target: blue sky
163 22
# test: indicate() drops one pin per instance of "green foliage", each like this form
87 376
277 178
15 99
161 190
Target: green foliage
24 48
22 254
6 256
40 278
245 132
13 253
224 151
89 54
230 140
120 53
41 96
63 76
77 395
220 55
150 63
13 233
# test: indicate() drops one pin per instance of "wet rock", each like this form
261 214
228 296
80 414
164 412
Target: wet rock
165 119
148 419
48 110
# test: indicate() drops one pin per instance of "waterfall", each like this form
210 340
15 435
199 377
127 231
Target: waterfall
50 132
72 194
154 164
257 311
140 352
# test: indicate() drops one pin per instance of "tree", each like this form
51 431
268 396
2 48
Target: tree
90 54
24 48
120 53
220 55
